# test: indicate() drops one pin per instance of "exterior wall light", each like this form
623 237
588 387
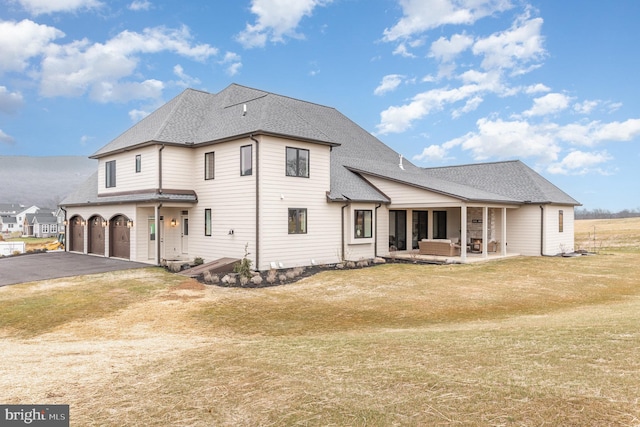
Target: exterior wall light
130 224
173 222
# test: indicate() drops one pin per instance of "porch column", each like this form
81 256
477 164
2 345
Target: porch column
503 242
430 224
463 232
485 234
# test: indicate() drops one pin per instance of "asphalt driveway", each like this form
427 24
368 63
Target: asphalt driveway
52 265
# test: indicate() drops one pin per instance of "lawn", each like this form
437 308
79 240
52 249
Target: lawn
522 341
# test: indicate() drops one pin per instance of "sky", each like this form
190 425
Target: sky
443 82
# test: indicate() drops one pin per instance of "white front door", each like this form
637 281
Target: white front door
151 229
185 233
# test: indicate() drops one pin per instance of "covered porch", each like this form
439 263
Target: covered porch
474 232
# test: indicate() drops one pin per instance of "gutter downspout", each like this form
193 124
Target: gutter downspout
375 239
157 213
65 229
542 231
342 228
160 168
257 201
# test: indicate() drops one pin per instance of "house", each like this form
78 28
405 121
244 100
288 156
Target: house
8 224
44 224
12 217
298 184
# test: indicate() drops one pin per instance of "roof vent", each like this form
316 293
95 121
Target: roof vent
400 165
244 110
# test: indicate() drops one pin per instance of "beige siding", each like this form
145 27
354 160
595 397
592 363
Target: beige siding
523 230
126 177
279 193
181 168
555 241
403 195
230 197
357 249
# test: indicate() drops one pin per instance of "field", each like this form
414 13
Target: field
522 341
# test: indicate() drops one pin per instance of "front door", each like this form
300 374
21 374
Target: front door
398 230
151 229
184 232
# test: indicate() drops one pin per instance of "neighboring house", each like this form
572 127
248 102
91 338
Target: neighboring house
45 224
298 184
8 224
18 213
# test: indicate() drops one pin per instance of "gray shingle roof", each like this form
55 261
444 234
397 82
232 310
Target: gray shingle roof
87 194
195 117
512 179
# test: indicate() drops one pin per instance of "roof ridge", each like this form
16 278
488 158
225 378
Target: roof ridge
300 116
180 100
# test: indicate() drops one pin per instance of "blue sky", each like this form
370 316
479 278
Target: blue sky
443 82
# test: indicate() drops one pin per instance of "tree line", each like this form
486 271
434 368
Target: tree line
604 213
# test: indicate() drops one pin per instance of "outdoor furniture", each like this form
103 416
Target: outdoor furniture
438 247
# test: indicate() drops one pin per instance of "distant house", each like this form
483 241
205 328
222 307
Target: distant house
14 217
8 224
44 225
299 184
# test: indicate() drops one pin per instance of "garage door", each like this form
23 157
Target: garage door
119 237
76 234
96 235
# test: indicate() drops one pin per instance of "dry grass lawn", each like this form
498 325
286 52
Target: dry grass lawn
523 341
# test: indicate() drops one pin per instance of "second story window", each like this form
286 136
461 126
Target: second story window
209 165
110 174
245 160
297 162
138 163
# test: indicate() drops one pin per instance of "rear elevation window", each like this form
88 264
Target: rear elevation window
561 221
297 162
110 174
297 221
245 160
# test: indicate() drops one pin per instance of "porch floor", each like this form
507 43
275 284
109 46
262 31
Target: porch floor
471 257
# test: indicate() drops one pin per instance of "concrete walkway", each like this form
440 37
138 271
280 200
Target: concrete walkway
52 265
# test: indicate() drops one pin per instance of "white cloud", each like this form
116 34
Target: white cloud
276 19
509 139
585 107
432 153
402 50
389 83
126 91
422 15
513 48
6 139
185 79
580 163
537 88
548 104
10 102
595 132
137 115
471 105
22 41
233 61
445 50
80 66
38 7
140 5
